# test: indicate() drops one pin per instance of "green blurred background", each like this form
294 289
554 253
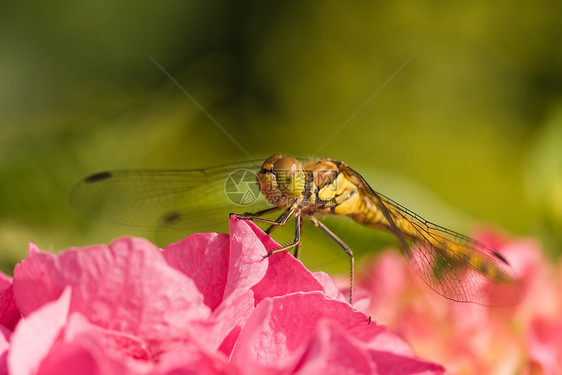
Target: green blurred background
468 132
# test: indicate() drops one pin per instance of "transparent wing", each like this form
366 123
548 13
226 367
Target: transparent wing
186 200
455 266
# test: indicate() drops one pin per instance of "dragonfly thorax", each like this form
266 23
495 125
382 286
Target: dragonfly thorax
282 180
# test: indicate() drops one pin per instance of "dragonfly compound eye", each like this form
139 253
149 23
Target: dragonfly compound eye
281 179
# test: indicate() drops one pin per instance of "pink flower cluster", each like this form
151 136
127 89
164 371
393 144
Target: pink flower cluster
472 339
210 304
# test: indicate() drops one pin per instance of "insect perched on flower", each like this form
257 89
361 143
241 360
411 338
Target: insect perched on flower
451 264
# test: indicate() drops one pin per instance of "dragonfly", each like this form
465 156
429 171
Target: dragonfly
453 265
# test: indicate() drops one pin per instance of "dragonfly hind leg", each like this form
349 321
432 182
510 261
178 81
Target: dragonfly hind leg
345 248
296 242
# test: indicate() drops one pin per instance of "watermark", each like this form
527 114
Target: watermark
241 187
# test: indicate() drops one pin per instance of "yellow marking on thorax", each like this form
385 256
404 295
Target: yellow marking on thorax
343 196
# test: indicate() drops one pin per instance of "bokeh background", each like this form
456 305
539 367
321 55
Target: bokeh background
453 109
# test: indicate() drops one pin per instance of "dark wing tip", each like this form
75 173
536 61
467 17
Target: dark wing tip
171 218
500 257
97 177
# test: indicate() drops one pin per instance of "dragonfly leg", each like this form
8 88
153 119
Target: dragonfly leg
298 247
296 242
267 211
281 220
253 215
344 247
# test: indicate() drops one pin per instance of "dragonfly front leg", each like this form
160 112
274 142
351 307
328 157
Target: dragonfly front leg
254 215
281 220
344 247
267 211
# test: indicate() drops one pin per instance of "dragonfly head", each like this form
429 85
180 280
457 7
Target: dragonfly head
281 179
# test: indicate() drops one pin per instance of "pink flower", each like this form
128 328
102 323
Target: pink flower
545 346
210 304
470 338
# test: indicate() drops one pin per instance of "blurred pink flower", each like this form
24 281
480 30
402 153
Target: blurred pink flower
468 338
210 304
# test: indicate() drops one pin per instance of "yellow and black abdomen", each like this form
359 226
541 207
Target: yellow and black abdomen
445 251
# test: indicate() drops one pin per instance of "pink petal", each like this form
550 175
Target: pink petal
37 270
221 331
231 317
264 238
126 286
9 313
331 351
329 286
273 276
387 275
285 275
5 336
86 348
388 342
334 351
115 343
34 336
74 358
389 363
190 360
545 345
33 249
5 281
204 258
393 356
248 246
272 338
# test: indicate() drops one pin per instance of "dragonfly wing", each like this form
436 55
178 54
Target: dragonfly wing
187 200
453 265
